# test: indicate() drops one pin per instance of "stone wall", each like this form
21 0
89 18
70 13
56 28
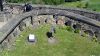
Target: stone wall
83 12
18 24
10 12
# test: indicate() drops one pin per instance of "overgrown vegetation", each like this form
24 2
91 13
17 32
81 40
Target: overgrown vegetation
94 5
69 44
50 2
88 4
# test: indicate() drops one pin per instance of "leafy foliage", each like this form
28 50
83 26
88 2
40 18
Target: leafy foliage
77 31
69 28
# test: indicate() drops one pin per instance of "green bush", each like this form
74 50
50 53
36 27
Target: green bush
77 31
69 28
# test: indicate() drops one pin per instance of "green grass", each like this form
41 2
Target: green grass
69 44
94 4
73 4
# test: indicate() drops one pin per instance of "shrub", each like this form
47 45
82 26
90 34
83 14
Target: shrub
69 28
77 31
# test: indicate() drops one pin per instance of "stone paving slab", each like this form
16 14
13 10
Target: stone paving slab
2 24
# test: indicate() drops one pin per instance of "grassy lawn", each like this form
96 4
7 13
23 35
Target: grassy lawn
73 4
68 44
92 4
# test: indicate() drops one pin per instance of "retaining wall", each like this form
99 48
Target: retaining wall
18 24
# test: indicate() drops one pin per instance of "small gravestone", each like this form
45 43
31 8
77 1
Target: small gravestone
31 38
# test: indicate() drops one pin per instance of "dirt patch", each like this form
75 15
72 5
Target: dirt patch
52 40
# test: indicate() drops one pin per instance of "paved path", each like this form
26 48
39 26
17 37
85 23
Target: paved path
2 24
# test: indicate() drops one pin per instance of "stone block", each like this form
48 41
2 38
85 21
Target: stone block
4 44
32 38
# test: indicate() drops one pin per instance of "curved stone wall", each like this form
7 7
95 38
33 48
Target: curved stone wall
18 24
83 12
